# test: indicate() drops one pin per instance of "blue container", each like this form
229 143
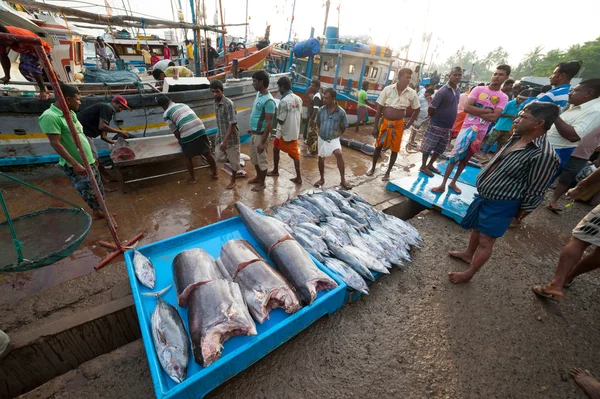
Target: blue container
331 34
239 352
307 48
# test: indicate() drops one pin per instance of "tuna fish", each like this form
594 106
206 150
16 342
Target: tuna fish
289 257
262 287
216 313
309 207
366 259
313 228
342 254
144 269
191 268
170 339
323 208
347 275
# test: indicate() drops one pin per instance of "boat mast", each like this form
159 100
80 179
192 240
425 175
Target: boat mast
223 42
291 23
327 4
246 27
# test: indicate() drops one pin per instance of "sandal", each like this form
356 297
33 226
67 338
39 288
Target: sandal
542 293
555 210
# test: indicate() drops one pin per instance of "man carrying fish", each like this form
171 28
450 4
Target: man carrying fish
510 187
392 104
332 122
289 114
261 121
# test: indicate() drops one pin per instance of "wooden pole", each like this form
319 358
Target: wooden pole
120 20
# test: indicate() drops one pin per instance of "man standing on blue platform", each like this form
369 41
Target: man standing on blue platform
511 186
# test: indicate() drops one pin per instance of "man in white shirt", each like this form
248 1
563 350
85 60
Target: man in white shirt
571 127
289 114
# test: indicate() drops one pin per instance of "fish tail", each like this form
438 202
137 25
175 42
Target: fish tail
158 293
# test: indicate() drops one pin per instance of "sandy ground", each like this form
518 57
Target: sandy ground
416 335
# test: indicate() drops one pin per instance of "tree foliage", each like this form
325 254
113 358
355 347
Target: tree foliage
535 63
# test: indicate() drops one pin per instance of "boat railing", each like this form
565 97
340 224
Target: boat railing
122 86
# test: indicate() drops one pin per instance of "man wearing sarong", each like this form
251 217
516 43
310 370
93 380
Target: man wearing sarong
511 186
392 104
484 106
442 113
30 66
289 115
316 100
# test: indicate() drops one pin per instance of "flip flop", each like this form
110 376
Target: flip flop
543 293
568 284
555 210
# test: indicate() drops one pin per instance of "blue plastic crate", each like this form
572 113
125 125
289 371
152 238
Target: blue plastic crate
239 352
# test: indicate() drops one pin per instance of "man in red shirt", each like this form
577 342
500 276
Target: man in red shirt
30 65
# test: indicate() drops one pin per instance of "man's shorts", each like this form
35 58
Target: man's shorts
588 229
390 134
570 170
289 147
326 148
230 155
257 159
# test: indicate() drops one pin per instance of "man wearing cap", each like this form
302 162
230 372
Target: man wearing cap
95 120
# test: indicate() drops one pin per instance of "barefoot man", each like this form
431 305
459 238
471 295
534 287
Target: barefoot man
585 234
442 112
54 125
261 120
484 106
289 114
392 103
511 186
227 143
190 132
332 122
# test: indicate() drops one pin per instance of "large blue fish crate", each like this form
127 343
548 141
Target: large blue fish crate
239 352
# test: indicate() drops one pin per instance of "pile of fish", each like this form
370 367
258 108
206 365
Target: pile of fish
346 234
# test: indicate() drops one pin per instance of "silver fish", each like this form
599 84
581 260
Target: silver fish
170 339
342 254
313 228
309 207
323 208
366 259
144 269
347 275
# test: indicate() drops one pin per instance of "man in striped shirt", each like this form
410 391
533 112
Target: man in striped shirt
510 187
190 132
561 80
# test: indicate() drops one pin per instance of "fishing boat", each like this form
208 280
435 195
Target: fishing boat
344 65
22 142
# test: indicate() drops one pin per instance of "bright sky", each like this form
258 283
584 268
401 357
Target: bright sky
520 26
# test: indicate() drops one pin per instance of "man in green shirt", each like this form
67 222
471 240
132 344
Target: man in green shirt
53 123
363 109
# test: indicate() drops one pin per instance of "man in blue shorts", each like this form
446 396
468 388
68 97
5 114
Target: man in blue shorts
511 186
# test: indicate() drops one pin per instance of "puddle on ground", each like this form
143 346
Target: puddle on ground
536 244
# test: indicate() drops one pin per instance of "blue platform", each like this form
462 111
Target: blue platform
239 352
418 188
468 175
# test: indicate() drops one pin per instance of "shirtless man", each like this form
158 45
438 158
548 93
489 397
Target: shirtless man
392 104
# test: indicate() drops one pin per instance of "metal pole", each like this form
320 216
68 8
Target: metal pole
196 52
223 27
291 24
246 28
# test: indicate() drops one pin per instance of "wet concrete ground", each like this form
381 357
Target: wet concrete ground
160 208
415 336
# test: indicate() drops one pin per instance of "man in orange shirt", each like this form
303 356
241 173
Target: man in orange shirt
30 65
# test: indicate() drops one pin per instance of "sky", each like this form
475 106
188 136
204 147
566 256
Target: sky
516 25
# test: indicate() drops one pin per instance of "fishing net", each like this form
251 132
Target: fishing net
46 237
